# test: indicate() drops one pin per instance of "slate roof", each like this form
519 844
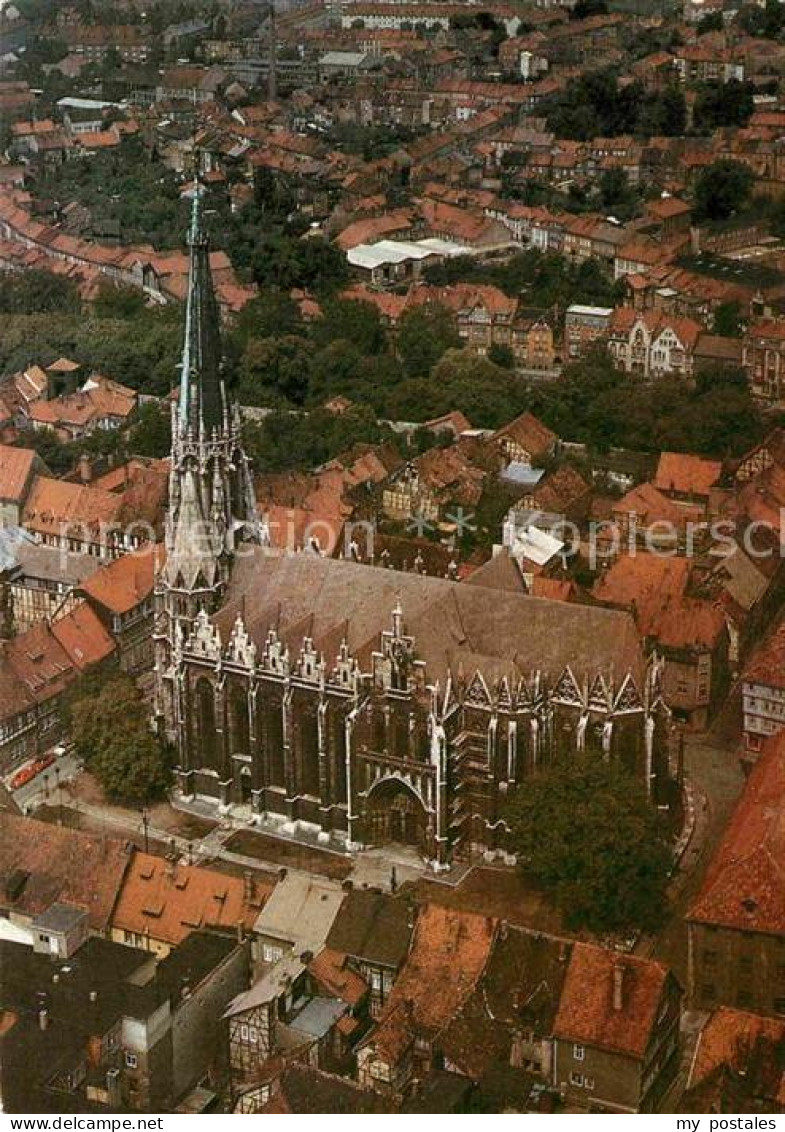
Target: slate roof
373 927
329 599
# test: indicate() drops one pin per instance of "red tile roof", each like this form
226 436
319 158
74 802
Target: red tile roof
767 665
447 957
655 586
63 865
729 1038
124 583
586 1011
83 637
168 902
745 884
16 465
685 474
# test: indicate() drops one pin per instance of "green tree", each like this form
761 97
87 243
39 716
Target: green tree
720 104
274 368
273 312
425 333
150 431
351 320
501 356
585 832
108 722
36 291
722 189
728 319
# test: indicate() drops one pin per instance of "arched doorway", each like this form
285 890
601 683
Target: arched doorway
395 813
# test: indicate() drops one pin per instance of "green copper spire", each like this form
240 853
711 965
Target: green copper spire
201 396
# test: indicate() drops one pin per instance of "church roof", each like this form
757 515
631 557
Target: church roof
500 632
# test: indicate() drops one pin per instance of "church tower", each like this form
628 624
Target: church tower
211 500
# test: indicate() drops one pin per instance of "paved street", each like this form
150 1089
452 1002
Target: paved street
713 767
44 785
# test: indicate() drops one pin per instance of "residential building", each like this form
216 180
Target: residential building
616 1033
111 1029
688 632
651 344
45 865
526 440
737 922
161 902
18 469
737 1066
425 998
297 916
763 357
583 326
374 931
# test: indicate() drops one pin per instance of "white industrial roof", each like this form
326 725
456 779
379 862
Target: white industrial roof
578 308
398 251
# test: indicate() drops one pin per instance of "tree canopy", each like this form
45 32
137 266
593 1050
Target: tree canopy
108 722
585 832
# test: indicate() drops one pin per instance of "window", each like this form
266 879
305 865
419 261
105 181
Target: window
578 1052
577 1080
130 1060
376 981
271 954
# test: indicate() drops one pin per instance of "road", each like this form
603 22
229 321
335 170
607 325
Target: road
44 786
713 767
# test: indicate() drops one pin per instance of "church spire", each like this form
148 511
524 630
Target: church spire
202 405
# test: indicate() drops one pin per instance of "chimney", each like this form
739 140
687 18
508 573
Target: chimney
618 986
240 932
43 1018
347 885
85 468
504 928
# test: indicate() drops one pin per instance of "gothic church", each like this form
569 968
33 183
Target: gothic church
362 704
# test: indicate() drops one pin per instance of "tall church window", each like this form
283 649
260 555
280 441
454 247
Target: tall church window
240 723
206 738
309 753
275 751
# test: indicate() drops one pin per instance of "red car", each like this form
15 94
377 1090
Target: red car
28 773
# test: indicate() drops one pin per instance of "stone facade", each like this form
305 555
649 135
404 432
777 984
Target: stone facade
362 704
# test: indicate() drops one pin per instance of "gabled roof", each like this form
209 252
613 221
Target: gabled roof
745 883
168 902
749 1046
125 582
16 467
687 474
83 637
62 865
586 1012
530 433
373 927
448 955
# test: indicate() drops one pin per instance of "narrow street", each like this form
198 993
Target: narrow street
713 767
